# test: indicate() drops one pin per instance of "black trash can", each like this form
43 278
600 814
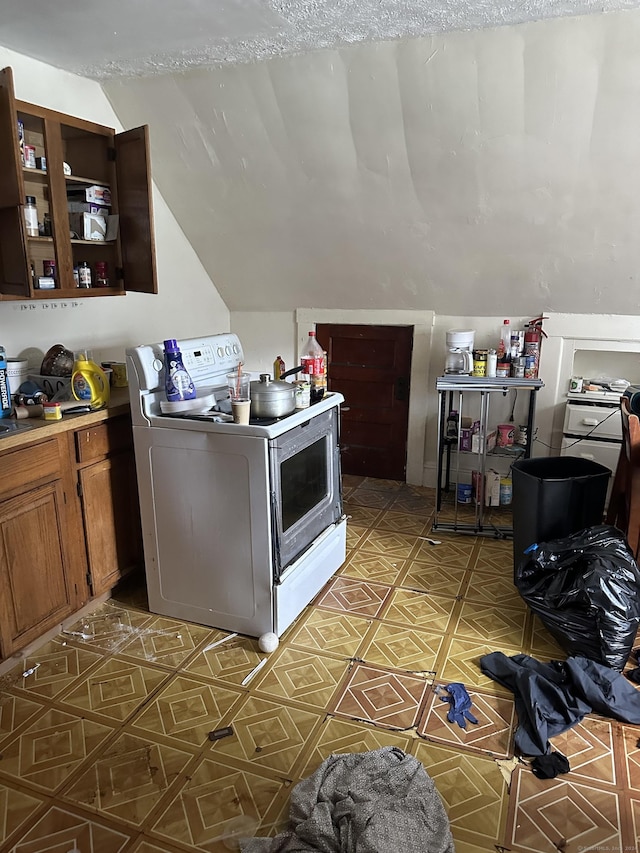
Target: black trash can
555 496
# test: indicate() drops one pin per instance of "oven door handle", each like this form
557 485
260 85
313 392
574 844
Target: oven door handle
275 540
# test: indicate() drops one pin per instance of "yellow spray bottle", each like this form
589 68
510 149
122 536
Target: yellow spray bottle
89 383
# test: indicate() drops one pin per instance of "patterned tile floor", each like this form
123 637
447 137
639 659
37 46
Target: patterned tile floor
104 747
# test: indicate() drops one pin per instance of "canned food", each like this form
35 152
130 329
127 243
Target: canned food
49 268
517 367
302 394
52 411
465 493
30 156
480 362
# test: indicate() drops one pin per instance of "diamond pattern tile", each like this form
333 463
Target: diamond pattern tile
548 815
540 644
15 712
115 689
499 625
185 711
60 830
473 791
230 661
104 745
389 543
55 666
304 677
363 516
50 749
355 596
495 556
402 648
630 737
452 552
166 641
403 522
107 628
459 660
373 567
370 497
17 810
589 748
431 577
269 735
388 699
128 779
492 735
420 610
337 736
216 799
495 590
355 534
339 634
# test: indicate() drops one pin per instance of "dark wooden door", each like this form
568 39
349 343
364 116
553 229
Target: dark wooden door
371 366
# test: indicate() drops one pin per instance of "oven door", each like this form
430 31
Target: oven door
305 486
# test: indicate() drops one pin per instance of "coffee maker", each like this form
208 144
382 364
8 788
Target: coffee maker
459 358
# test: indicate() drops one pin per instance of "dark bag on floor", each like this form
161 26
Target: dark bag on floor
586 590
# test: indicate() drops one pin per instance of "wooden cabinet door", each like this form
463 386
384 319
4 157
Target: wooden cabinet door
111 519
35 594
133 172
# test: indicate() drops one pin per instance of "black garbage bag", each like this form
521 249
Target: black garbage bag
586 590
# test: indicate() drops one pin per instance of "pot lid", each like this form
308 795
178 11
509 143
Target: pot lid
268 389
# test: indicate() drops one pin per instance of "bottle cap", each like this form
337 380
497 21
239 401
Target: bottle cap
31 199
171 345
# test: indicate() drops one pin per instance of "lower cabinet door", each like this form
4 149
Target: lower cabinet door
34 588
111 518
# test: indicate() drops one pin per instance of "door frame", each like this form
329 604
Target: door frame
423 323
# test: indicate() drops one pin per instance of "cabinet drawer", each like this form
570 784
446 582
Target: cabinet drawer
599 421
28 465
100 440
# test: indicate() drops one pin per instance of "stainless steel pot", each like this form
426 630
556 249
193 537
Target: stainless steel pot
272 399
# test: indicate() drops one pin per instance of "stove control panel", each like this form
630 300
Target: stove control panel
207 360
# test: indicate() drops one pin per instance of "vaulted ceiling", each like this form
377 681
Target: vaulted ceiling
114 38
463 157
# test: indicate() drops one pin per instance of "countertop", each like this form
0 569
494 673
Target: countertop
41 428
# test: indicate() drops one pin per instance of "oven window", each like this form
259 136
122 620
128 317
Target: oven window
303 482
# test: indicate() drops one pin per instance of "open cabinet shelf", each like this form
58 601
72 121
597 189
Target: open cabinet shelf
118 164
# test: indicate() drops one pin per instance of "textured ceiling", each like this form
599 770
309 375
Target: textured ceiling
121 38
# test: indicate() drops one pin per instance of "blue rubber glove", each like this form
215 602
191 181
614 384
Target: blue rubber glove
460 702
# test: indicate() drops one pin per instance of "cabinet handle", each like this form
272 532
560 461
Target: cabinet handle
587 456
590 421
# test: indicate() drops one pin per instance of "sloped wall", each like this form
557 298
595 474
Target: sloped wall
482 173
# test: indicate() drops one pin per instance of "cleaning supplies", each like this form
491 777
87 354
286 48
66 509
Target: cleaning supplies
5 391
177 382
89 383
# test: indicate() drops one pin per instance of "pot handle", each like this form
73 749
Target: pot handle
292 371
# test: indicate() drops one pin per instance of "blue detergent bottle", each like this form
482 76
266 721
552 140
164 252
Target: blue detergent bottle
5 391
177 382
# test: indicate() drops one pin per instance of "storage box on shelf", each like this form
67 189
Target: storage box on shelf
108 169
464 508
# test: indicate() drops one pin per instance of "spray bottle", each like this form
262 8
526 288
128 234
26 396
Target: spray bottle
89 383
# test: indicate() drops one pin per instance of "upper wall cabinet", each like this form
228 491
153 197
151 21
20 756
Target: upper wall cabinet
75 205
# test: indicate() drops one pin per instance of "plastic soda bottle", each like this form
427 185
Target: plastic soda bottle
5 390
312 357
